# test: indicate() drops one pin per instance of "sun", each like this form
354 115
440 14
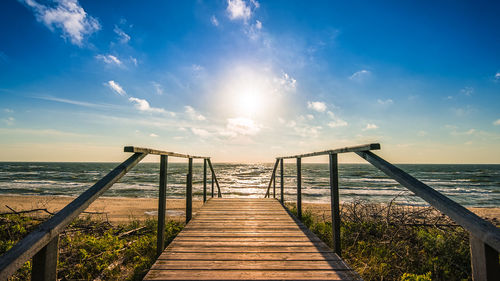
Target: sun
248 101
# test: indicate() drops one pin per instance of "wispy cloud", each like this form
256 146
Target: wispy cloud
74 102
214 20
67 16
242 126
285 83
360 75
193 114
317 106
134 61
496 122
468 91
158 88
385 102
9 121
109 59
200 132
122 36
153 135
336 121
115 87
258 24
497 76
370 126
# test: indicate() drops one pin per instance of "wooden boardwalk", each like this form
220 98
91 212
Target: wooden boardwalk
247 239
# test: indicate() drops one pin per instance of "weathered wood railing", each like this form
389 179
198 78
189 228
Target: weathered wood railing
42 243
484 236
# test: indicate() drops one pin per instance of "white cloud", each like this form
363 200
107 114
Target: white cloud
421 133
116 87
470 132
193 114
497 122
153 135
242 126
8 110
109 59
285 82
143 105
317 106
238 9
258 24
200 132
214 20
158 88
68 16
122 36
468 91
497 76
336 121
310 116
385 102
370 126
360 75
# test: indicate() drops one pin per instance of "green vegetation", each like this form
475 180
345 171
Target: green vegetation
90 249
390 242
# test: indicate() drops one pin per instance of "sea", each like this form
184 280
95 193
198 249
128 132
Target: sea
469 185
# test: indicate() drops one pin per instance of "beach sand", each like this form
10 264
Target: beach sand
124 209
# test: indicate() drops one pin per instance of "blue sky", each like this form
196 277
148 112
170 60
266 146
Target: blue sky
249 80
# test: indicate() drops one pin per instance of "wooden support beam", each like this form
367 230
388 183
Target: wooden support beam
219 194
478 227
47 231
271 180
189 191
45 262
162 205
299 188
484 261
334 201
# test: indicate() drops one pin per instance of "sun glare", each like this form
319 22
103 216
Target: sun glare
247 93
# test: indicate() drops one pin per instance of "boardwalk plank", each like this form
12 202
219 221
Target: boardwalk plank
247 239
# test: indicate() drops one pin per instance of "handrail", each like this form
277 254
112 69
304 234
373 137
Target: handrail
364 147
484 236
160 152
43 241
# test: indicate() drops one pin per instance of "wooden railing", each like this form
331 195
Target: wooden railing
484 236
42 243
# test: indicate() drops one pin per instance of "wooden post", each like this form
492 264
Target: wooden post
334 201
162 206
204 180
189 191
299 188
282 182
45 262
212 184
484 260
274 185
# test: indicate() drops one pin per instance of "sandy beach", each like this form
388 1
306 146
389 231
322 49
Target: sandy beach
123 209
